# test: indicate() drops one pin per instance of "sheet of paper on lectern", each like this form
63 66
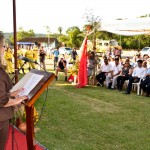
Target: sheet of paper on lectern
27 83
31 83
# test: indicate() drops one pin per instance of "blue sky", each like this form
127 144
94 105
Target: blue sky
35 14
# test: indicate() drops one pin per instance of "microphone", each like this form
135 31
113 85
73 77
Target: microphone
26 59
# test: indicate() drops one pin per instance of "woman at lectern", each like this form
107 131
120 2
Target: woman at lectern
7 100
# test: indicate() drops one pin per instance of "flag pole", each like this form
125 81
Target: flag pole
15 41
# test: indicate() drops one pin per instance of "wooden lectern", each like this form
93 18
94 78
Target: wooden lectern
33 96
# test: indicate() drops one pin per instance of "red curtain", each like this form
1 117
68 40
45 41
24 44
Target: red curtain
82 73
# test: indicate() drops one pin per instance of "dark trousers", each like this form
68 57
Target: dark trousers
132 80
120 81
55 62
101 77
4 126
145 85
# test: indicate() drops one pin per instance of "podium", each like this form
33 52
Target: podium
47 78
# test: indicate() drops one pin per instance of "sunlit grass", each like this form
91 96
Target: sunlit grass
93 118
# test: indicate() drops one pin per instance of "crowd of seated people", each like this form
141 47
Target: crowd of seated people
115 71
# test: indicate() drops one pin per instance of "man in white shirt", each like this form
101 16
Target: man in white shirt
145 84
139 72
116 69
104 71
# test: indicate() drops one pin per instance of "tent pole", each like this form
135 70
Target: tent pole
15 41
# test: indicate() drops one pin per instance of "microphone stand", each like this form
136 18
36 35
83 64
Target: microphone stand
12 132
19 69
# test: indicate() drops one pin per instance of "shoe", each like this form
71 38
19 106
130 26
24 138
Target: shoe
65 78
101 85
12 73
146 95
108 87
112 88
98 84
126 92
56 78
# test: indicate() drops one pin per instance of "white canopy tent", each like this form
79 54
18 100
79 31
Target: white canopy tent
127 27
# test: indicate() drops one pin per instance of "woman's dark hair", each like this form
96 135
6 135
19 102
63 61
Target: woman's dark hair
1 36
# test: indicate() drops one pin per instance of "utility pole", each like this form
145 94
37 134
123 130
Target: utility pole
48 32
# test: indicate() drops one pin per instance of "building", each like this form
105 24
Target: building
40 41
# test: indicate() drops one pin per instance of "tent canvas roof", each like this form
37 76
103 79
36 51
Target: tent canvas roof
127 27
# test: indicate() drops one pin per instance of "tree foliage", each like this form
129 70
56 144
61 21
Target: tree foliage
60 30
22 34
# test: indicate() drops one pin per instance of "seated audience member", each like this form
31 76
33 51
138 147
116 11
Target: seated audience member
111 60
145 84
103 58
104 71
124 75
136 58
145 57
139 72
138 52
144 64
61 67
98 62
90 63
116 69
130 62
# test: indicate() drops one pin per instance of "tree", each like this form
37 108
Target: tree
60 30
63 39
74 39
22 34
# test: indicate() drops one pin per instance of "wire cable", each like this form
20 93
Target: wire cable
40 116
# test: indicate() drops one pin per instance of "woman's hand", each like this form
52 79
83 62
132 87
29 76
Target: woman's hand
16 101
19 99
15 93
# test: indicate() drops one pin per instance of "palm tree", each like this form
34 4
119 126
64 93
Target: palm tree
60 30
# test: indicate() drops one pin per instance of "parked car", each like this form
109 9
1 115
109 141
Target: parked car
65 50
145 50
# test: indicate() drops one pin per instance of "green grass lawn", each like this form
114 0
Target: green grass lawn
93 118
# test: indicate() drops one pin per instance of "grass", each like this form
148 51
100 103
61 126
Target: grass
93 118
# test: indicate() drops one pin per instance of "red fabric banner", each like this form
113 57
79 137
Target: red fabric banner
19 140
82 73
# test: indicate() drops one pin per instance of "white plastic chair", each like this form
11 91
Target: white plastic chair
137 86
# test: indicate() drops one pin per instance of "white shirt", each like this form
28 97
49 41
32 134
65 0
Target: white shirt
140 72
112 63
106 68
116 69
